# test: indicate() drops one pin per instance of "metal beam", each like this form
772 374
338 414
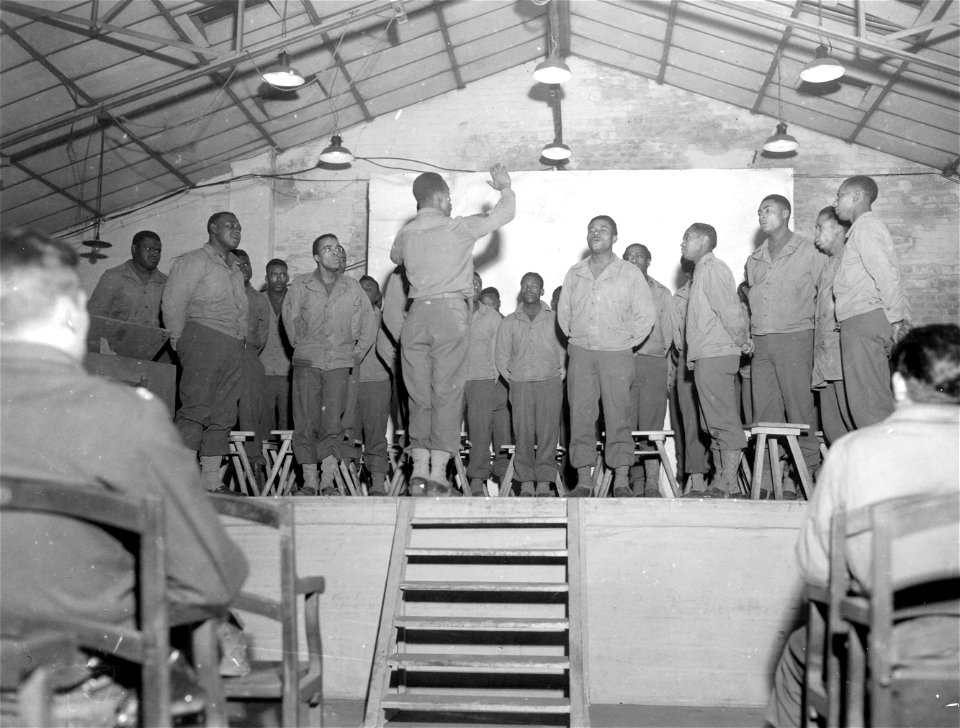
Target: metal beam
150 152
43 15
346 77
784 39
667 38
115 11
238 28
42 60
311 12
907 32
563 26
59 191
741 9
454 66
365 10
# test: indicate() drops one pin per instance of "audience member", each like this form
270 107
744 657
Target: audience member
129 293
327 318
924 432
716 332
606 310
827 381
782 277
870 302
649 391
373 395
205 309
276 352
59 423
437 252
490 296
531 359
250 407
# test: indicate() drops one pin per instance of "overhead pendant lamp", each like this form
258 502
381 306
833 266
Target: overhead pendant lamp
336 153
552 70
96 243
823 68
781 142
282 75
556 151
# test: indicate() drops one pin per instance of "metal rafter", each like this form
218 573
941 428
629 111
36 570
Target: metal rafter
368 9
454 66
60 191
44 16
311 12
115 11
667 38
146 148
784 39
938 13
42 60
346 77
217 78
740 9
563 26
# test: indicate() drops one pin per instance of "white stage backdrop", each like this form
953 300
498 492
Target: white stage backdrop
548 234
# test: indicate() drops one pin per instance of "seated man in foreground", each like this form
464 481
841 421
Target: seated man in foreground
915 450
59 423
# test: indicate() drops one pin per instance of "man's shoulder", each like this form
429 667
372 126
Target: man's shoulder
656 287
191 256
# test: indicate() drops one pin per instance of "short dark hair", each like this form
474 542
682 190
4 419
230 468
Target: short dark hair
535 275
427 185
780 200
34 272
273 262
241 253
477 276
702 228
928 358
613 223
316 242
215 217
864 184
371 279
644 250
144 235
831 212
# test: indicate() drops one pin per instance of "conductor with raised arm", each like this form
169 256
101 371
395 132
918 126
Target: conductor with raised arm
437 252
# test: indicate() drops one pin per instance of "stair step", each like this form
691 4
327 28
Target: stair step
490 553
480 703
484 624
485 586
512 521
423 660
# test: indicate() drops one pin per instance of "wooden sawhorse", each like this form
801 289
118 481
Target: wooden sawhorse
766 432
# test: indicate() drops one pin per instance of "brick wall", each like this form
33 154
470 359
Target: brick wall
612 120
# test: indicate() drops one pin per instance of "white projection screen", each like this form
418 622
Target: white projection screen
548 234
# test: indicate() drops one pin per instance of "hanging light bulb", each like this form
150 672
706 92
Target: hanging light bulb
556 151
823 68
781 141
552 70
336 153
282 75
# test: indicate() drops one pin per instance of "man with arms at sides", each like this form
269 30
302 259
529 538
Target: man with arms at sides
275 356
830 236
373 395
488 419
716 333
782 276
205 309
924 433
251 409
606 311
59 423
437 253
871 304
649 391
130 293
531 360
328 319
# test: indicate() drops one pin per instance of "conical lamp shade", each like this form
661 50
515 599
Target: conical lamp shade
556 151
552 70
823 68
282 75
781 141
336 153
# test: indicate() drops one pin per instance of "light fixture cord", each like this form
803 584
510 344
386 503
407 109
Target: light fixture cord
103 134
779 87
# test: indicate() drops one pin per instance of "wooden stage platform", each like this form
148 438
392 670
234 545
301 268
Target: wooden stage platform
688 602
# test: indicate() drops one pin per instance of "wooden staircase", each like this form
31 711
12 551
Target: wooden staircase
482 615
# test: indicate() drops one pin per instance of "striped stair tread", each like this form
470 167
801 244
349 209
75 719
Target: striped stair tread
490 553
511 521
423 660
484 624
485 586
469 703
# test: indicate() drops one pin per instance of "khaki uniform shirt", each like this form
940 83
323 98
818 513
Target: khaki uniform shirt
868 277
121 295
715 324
484 325
826 334
530 351
658 343
783 291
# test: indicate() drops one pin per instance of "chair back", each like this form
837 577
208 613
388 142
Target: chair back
149 644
